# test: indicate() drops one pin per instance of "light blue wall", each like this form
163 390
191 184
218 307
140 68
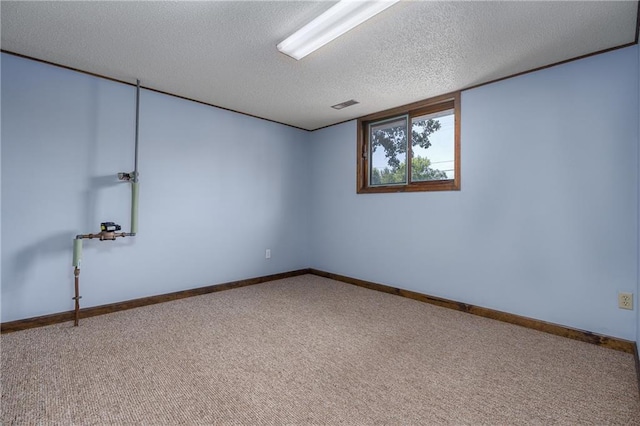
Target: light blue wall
546 223
0 190
216 189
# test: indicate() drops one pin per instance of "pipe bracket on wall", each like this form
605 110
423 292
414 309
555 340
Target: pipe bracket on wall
127 176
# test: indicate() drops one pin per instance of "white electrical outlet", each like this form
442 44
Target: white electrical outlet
625 300
267 254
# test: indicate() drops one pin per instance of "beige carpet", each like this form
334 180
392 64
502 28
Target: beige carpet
308 350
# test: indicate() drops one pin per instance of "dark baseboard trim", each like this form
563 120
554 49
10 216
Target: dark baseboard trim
8 327
559 330
635 355
581 335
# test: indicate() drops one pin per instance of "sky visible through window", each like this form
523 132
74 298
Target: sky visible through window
440 153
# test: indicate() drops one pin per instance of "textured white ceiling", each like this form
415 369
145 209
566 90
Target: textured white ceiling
224 53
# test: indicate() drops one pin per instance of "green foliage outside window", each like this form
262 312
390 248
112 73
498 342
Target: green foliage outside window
393 141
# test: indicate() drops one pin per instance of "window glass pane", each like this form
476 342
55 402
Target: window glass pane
433 147
388 152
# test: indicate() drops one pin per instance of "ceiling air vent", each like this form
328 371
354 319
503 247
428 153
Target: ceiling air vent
345 104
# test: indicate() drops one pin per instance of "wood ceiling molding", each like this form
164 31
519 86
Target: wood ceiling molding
224 54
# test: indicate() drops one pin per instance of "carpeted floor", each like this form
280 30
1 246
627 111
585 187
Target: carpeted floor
308 350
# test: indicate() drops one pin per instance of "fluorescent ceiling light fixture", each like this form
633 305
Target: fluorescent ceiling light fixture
343 16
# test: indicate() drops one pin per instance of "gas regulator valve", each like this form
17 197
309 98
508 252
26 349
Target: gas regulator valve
109 227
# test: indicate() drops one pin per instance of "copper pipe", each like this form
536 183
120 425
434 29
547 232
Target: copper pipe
104 235
76 272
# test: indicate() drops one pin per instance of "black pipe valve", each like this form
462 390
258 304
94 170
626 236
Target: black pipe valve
109 227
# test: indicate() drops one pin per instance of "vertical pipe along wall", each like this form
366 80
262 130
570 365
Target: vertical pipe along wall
105 234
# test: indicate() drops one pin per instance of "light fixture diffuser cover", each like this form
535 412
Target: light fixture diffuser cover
337 20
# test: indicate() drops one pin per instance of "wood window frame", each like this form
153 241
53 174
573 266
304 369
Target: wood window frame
416 109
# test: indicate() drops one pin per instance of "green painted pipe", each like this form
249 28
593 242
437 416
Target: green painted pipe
77 252
134 207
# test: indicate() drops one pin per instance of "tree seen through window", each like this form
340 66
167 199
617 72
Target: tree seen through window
390 138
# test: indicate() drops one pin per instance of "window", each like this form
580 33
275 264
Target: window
411 148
